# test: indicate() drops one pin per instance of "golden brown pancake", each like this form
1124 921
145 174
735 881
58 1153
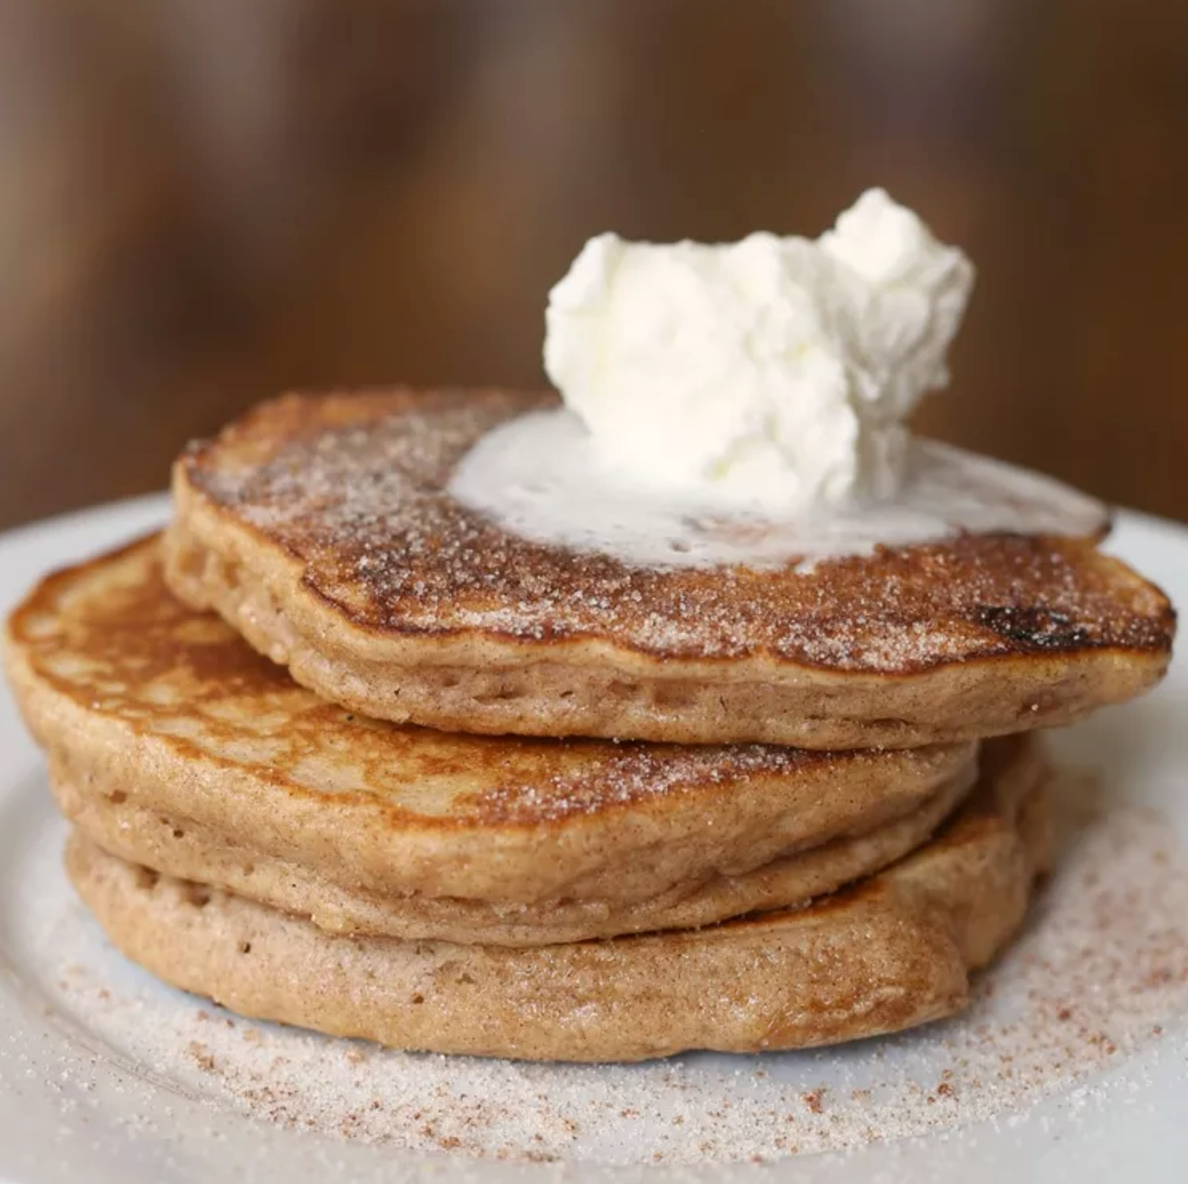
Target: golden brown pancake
321 528
146 702
892 952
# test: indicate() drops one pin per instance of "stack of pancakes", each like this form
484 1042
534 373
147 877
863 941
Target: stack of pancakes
343 752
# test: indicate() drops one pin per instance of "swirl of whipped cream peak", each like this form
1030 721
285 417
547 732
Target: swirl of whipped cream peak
775 373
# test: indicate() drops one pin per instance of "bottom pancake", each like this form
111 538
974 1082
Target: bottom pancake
892 952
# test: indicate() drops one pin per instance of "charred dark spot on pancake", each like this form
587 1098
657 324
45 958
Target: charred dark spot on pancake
1034 628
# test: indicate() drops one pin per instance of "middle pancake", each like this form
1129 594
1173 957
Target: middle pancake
141 836
161 719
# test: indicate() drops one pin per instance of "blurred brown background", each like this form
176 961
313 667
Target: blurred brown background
204 201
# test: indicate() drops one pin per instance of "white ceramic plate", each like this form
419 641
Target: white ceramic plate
1072 1063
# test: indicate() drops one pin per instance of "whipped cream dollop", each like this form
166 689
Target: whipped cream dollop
748 403
772 373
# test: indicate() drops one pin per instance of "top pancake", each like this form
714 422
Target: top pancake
321 528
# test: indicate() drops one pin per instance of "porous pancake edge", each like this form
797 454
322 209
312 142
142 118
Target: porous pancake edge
892 952
539 819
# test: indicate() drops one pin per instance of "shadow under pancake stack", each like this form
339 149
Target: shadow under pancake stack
341 751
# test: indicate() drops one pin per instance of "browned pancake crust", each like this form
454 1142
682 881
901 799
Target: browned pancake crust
353 486
348 491
139 697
